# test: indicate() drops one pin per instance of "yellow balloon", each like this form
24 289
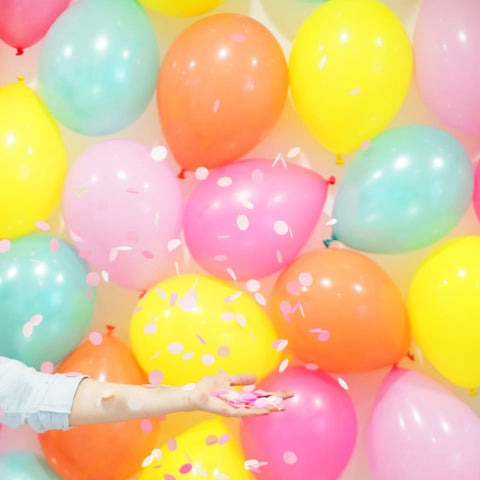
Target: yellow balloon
182 8
33 162
444 307
196 456
192 325
350 68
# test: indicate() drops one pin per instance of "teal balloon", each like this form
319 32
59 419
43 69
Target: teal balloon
407 190
98 65
25 466
36 280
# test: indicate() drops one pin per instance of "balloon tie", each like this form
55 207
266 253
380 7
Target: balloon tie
330 240
19 52
339 160
182 174
411 356
142 294
331 180
20 79
110 328
473 392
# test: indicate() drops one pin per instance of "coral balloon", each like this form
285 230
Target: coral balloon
25 466
221 88
447 64
419 430
182 8
32 160
350 69
111 451
443 302
404 192
46 306
98 66
251 219
121 209
313 438
340 310
193 325
24 22
476 192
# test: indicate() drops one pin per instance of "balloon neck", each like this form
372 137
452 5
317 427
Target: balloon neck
142 294
182 174
110 329
20 79
328 241
473 392
19 52
331 180
339 160
411 356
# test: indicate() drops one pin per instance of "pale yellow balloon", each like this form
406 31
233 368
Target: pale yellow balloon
444 307
190 326
198 459
182 8
350 69
33 162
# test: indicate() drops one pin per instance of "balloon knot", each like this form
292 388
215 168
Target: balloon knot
182 174
473 392
142 294
331 180
339 160
19 52
411 356
20 79
110 328
328 241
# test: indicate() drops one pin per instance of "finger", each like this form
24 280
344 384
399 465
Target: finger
248 412
242 379
285 394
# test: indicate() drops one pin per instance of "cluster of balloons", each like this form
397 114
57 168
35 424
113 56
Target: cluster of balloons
221 88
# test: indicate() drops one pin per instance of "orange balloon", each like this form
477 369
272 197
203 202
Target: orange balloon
112 451
222 86
340 310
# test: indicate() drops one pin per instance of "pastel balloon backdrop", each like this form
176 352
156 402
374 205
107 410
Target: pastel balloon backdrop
193 325
313 438
252 217
447 64
122 208
24 22
348 78
419 429
443 303
340 310
98 66
221 88
32 160
182 8
476 192
407 190
46 305
25 466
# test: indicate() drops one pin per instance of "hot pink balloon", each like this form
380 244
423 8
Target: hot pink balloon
476 192
312 439
121 209
447 61
25 22
250 218
420 430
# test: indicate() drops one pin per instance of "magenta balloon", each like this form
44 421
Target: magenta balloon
447 61
25 22
252 217
476 192
419 430
313 438
121 208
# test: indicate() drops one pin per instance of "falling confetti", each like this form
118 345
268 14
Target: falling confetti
208 359
283 365
323 335
289 457
280 227
223 351
185 468
243 222
159 153
150 328
201 173
223 439
365 144
93 279
41 225
293 152
241 320
187 356
232 274
227 316
294 287
211 440
188 387
332 221
305 279
95 338
47 367
257 176
237 37
279 158
175 348
5 245
260 299
220 476
146 425
355 91
54 245
172 444
216 105
155 377
224 182
173 244
342 383
322 62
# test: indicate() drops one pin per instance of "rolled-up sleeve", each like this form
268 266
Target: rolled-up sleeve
43 401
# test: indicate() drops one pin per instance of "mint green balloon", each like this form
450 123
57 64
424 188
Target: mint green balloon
36 280
98 65
407 190
25 466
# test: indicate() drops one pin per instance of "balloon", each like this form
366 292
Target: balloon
340 310
447 64
111 451
404 192
193 325
348 77
221 88
32 160
313 438
182 8
121 209
476 192
25 466
443 302
46 306
245 217
205 450
98 66
420 430
24 22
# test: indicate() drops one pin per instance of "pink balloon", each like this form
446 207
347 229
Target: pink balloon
252 218
420 430
313 438
121 208
25 22
476 192
447 61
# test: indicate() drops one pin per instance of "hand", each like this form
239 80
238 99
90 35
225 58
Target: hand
202 398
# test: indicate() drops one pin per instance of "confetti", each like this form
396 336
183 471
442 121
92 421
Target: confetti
342 383
161 293
323 335
185 468
2 413
148 254
241 320
75 237
159 153
208 359
280 344
105 276
5 245
220 476
175 348
283 365
84 253
294 287
355 91
201 339
187 303
280 227
305 279
257 176
211 440
223 439
247 204
293 152
220 258
41 225
286 309
322 62
54 245
95 338
167 476
173 244
198 469
216 105
27 330
223 351
150 328
227 316
187 356
237 37
254 465
147 461
279 256
172 444
155 377
242 222
36 319
173 298
260 299
188 387
47 367
232 274
279 158
365 144
312 366
253 285
201 173
332 221
289 457
113 254
146 425
224 182
93 279
232 297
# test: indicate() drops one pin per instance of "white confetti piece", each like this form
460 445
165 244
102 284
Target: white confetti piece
283 365
260 299
187 303
112 255
322 62
355 91
220 258
289 457
208 359
220 476
134 404
257 176
242 222
105 276
232 274
279 256
173 244
224 182
27 330
293 152
253 285
161 293
241 320
175 348
280 227
312 366
342 383
233 297
188 387
124 248
247 204
187 356
227 316
305 279
75 237
5 245
159 153
147 461
279 158
201 173
332 221
197 469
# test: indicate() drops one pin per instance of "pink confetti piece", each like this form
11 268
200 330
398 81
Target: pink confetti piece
150 328
323 335
220 258
185 468
95 338
5 245
173 298
93 279
294 287
233 297
289 457
211 440
248 388
41 225
216 105
172 444
148 254
27 330
227 316
167 476
84 253
175 348
280 227
223 351
187 303
155 377
280 344
254 465
47 367
54 245
223 439
146 425
132 236
134 190
2 413
365 144
257 176
238 37
286 309
36 319
279 255
295 307
208 359
305 279
88 295
201 339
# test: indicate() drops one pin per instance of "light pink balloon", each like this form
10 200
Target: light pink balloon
476 192
252 218
25 22
419 430
121 208
447 61
312 439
